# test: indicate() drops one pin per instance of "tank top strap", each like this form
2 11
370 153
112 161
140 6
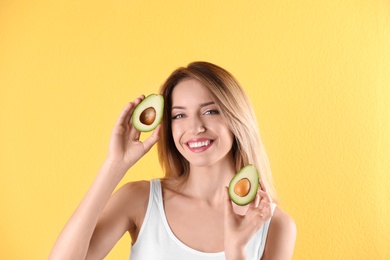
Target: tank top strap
155 189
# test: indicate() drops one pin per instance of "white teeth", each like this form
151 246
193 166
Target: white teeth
199 144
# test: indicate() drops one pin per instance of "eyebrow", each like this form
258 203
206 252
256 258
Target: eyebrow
201 105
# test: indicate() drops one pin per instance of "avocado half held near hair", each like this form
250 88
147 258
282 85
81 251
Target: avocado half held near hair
243 186
148 114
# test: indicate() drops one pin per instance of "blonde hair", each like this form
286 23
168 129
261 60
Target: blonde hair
237 112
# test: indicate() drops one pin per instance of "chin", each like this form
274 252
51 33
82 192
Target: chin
204 162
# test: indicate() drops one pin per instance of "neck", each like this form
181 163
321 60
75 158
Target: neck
208 183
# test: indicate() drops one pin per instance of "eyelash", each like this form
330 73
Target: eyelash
207 112
211 112
178 116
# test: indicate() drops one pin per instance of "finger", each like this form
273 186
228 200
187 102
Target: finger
151 140
134 133
122 119
262 185
139 99
263 191
255 218
266 210
135 104
264 196
127 111
255 202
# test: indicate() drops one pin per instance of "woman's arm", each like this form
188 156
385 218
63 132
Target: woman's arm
125 149
73 242
281 237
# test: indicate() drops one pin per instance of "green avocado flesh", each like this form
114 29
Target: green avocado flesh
147 115
244 185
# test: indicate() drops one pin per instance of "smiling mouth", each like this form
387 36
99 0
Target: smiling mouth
199 144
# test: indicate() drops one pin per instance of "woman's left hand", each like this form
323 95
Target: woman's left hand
240 229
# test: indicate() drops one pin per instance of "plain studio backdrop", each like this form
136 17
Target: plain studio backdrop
317 73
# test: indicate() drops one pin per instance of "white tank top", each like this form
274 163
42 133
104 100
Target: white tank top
157 241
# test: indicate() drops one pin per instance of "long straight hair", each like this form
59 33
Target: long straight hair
235 109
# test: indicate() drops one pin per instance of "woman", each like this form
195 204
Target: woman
207 134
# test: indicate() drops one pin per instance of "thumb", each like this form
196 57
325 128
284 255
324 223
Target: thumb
151 140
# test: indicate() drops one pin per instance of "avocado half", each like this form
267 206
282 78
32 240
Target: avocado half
148 114
244 185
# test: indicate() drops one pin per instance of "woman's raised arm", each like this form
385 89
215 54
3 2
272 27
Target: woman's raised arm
125 150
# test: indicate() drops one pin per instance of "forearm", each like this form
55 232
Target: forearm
73 242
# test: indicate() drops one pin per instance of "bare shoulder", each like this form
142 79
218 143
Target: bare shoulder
137 188
130 199
282 222
135 194
281 236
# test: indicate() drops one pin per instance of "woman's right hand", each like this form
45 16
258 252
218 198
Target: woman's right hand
125 146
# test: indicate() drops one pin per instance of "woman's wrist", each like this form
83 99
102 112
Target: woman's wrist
235 253
114 168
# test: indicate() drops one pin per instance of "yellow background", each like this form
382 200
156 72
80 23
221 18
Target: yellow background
317 73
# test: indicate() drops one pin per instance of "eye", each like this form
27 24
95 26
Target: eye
178 116
211 112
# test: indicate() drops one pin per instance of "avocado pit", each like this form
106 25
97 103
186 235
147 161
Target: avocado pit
148 116
242 187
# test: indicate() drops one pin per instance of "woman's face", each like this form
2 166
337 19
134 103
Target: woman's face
199 131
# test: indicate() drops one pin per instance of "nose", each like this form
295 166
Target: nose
197 126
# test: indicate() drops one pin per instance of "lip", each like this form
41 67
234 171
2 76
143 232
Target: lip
192 144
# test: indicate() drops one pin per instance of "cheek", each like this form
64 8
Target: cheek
223 128
231 139
228 137
176 134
